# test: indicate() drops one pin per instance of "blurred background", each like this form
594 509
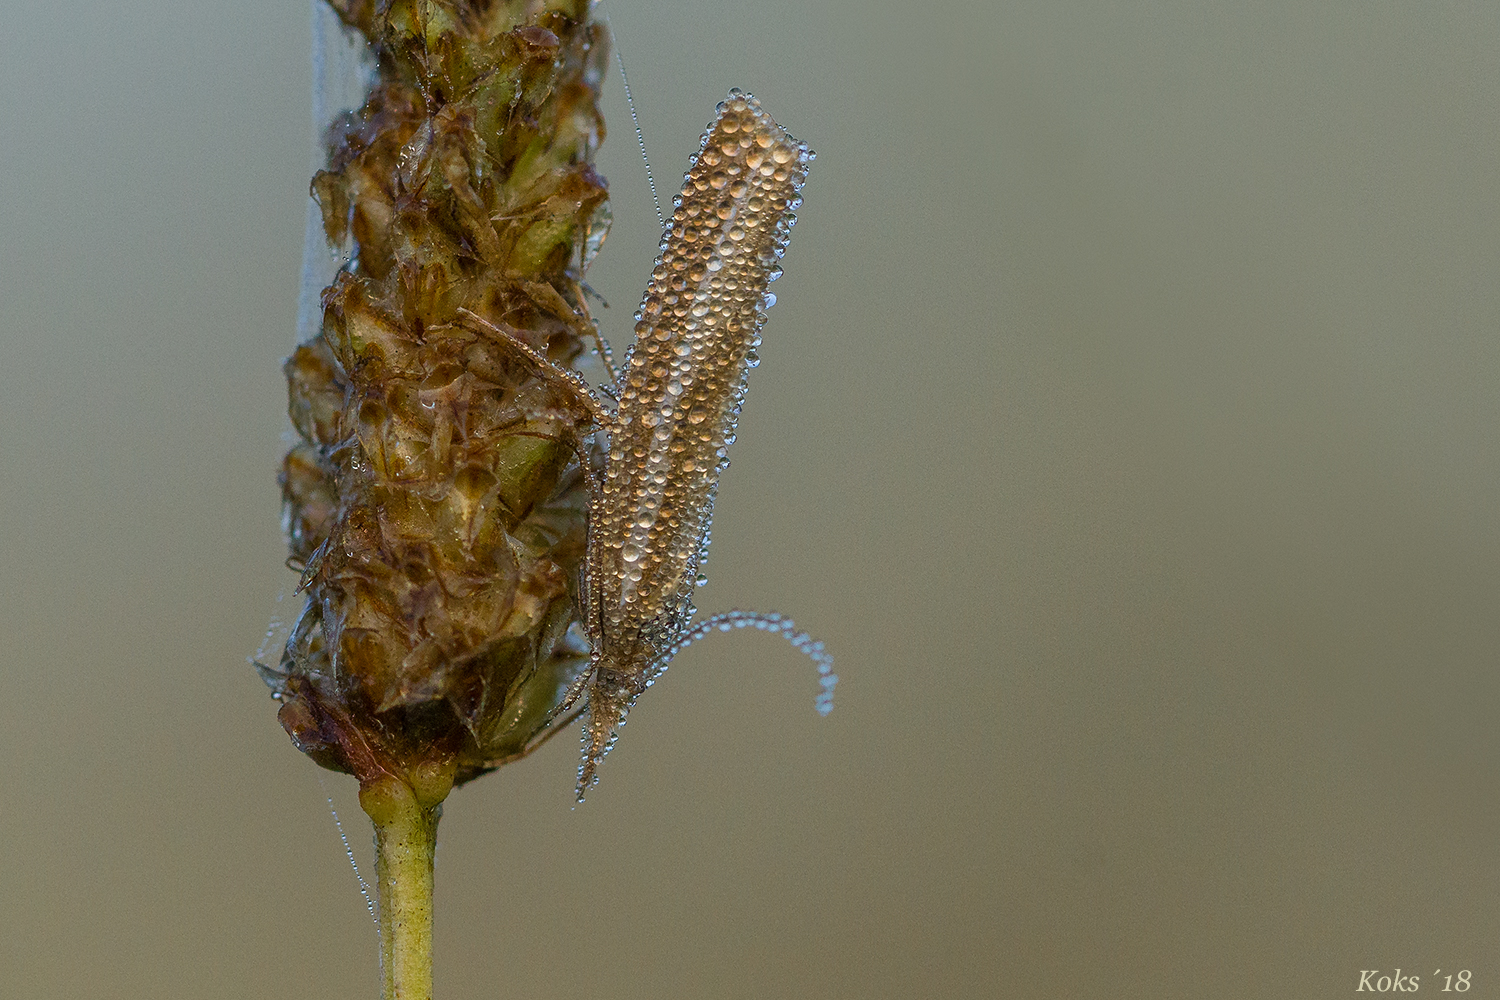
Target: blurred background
1126 429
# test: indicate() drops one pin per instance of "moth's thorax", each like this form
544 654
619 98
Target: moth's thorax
684 379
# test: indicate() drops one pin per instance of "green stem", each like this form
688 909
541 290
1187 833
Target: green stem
405 841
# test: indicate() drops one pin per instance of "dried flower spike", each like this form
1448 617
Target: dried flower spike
459 499
433 503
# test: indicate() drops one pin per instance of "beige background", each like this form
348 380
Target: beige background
1127 429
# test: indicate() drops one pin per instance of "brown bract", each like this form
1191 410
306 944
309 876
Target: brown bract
433 501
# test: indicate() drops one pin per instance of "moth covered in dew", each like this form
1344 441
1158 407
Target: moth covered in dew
679 392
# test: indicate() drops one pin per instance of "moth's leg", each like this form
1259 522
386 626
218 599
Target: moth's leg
570 382
551 731
589 589
605 354
600 731
546 295
590 592
576 689
769 622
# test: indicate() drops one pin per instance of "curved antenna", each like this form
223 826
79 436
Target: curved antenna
770 622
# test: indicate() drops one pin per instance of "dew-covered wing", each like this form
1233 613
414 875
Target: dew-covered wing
684 379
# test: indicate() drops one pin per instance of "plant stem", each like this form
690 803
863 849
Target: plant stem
405 841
